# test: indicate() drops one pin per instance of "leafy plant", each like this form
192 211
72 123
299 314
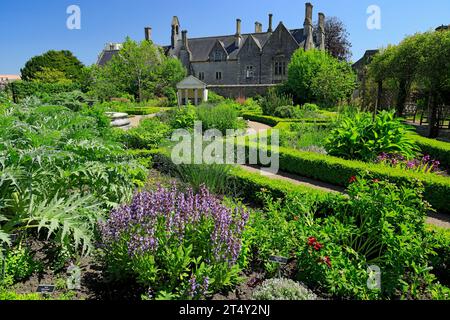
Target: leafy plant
273 100
184 245
149 134
222 117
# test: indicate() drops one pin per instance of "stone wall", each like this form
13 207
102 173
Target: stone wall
240 91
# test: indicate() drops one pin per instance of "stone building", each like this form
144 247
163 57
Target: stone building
241 64
7 78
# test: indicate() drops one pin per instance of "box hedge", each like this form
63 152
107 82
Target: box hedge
338 171
438 150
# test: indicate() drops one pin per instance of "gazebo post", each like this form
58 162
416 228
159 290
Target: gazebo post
196 96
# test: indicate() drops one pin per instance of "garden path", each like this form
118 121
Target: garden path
135 120
439 220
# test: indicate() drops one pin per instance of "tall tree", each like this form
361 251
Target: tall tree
434 74
337 41
61 61
140 69
316 76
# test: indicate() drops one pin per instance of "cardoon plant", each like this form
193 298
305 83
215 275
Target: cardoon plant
176 243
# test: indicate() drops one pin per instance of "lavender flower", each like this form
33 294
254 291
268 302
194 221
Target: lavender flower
168 216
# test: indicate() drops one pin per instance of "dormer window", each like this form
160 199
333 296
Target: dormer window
218 55
249 73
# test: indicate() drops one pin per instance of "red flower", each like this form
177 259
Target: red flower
327 260
318 246
352 179
312 241
376 181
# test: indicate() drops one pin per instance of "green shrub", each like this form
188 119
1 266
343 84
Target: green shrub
182 117
337 171
19 265
177 245
310 107
362 138
378 224
149 135
273 100
222 117
214 97
289 112
301 135
6 295
24 89
439 242
438 150
282 289
214 176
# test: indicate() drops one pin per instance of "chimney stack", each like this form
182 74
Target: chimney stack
270 23
308 27
185 40
238 33
321 39
148 34
258 27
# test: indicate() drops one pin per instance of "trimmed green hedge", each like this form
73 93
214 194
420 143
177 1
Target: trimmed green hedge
338 171
23 89
438 150
250 183
273 121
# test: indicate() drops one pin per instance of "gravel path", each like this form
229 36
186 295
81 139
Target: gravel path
135 120
258 127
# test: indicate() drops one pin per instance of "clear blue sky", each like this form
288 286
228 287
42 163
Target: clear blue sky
31 27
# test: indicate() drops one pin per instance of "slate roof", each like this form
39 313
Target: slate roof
201 47
105 56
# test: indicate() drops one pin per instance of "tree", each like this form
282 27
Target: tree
49 75
337 41
62 61
140 69
434 74
316 76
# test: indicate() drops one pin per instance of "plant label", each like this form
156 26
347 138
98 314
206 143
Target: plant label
45 288
280 260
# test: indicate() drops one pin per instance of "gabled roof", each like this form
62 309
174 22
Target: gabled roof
201 47
106 56
191 82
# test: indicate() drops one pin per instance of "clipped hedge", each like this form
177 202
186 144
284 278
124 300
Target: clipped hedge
250 183
438 150
338 171
273 121
23 89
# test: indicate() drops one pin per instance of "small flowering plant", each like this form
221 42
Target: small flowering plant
177 244
425 164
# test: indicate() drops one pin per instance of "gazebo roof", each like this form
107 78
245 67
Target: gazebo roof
191 82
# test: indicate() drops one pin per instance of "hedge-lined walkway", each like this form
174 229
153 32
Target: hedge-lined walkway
439 220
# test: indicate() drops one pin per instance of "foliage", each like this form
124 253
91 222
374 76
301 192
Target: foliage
49 75
337 171
379 224
302 135
364 138
222 117
149 135
72 100
437 149
214 97
51 62
337 41
19 265
273 100
184 245
424 164
59 171
182 117
282 289
213 176
139 69
23 89
315 76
